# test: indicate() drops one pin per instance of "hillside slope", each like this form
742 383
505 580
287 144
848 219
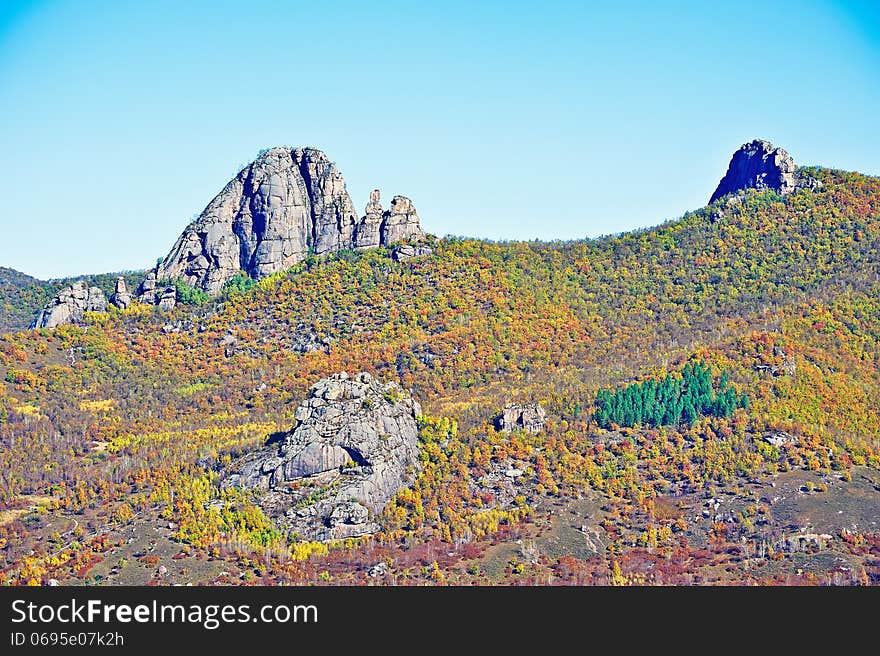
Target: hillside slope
122 424
20 295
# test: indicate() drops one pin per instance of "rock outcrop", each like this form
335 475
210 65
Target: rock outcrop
151 293
287 204
69 306
355 446
146 292
168 299
780 438
528 417
761 165
369 229
408 251
121 297
400 223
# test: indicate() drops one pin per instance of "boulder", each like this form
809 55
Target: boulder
378 570
528 417
354 447
69 306
782 364
150 292
403 252
781 438
167 299
228 343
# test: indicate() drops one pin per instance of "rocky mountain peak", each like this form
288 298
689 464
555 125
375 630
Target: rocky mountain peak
285 205
758 165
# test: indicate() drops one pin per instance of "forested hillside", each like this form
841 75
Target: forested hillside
758 319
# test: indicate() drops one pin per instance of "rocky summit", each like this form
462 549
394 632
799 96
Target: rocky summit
287 204
761 165
69 306
355 446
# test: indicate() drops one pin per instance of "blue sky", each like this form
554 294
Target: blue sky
119 121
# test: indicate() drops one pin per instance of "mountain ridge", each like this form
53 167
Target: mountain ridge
290 203
23 297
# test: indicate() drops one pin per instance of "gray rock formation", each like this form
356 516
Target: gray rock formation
355 446
504 481
378 570
146 292
69 305
781 365
121 297
400 223
403 252
265 220
528 417
369 228
305 339
761 165
228 343
288 203
150 292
